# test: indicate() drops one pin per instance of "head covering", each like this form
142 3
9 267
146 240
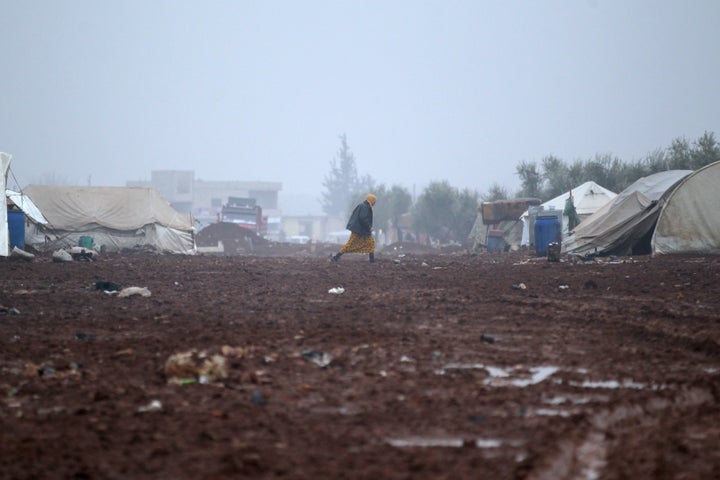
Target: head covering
371 199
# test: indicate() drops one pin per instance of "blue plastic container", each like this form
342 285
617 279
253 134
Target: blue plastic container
16 229
547 230
495 241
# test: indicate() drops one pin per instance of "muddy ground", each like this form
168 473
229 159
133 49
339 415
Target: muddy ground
427 365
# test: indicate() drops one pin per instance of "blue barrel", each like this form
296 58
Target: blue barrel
495 241
547 230
16 229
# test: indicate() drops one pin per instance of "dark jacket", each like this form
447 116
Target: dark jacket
361 219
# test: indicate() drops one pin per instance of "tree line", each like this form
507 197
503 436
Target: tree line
445 213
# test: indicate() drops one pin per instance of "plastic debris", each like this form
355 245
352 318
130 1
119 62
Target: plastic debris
85 337
130 291
337 290
153 406
564 287
553 250
22 254
61 256
9 310
519 286
257 398
82 254
195 367
487 338
107 286
321 359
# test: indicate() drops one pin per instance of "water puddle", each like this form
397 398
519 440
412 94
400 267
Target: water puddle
612 384
425 442
500 377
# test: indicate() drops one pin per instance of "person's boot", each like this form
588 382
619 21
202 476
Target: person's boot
336 257
372 258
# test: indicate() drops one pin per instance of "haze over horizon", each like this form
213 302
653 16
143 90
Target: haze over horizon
458 90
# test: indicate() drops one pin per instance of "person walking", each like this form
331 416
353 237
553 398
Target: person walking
360 226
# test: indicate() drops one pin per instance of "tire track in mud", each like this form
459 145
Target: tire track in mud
584 454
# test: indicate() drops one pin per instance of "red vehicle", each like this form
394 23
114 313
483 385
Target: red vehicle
244 212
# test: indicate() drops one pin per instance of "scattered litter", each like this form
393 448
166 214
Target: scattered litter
61 256
195 366
85 337
130 291
321 359
564 287
337 290
82 254
238 352
519 286
406 359
22 254
487 338
107 286
553 252
396 261
9 310
257 398
153 406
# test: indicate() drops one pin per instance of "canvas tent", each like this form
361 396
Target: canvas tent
115 218
621 227
689 221
588 198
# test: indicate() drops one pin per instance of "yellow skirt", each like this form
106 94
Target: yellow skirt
359 244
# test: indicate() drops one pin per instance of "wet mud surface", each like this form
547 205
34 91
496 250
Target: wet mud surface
455 366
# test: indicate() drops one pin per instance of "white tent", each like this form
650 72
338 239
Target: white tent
621 225
587 198
689 221
115 217
4 235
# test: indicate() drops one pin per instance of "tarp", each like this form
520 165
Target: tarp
588 198
689 221
27 206
116 218
4 234
620 225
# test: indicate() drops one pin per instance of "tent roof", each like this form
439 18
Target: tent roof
119 208
588 198
654 186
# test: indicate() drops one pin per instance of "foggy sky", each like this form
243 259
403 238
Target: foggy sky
105 92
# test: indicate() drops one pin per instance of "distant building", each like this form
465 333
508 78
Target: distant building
204 199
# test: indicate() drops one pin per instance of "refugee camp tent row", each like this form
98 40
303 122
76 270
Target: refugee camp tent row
621 226
115 218
677 211
587 198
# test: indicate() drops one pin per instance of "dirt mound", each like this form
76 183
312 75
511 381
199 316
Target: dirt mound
235 238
